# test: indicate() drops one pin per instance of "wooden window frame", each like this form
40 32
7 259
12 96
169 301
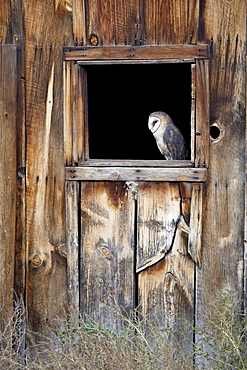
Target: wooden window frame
78 164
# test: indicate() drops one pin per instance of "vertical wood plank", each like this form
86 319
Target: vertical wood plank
245 215
107 23
80 115
196 219
223 24
8 96
202 114
72 242
68 105
46 293
107 251
79 22
135 22
193 21
166 286
156 225
5 23
20 246
193 112
166 22
75 113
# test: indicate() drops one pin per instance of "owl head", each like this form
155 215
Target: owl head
156 119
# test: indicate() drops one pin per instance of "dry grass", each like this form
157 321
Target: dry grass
83 344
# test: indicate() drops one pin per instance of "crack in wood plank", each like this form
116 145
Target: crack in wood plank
194 231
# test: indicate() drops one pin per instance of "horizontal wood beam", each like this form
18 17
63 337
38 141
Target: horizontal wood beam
133 61
135 174
157 53
134 163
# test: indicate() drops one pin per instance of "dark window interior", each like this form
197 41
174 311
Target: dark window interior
120 99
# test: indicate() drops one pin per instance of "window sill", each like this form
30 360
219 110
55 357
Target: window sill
134 163
100 173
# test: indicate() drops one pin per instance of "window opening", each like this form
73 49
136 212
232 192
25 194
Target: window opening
120 100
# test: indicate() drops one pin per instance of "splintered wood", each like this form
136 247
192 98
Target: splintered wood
46 288
72 232
149 224
176 234
166 270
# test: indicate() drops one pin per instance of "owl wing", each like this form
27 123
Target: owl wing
175 143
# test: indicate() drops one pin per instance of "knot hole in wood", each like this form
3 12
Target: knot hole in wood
216 132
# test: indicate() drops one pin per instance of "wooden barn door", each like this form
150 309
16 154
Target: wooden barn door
133 228
137 244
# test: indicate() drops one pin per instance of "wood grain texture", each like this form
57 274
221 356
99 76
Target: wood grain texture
193 21
75 112
135 22
72 242
132 61
111 22
46 293
196 220
166 21
79 22
134 163
68 106
136 52
193 112
107 251
157 221
171 22
8 114
136 174
20 246
166 283
5 23
202 114
215 258
224 23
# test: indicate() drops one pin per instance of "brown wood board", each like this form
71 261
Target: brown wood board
8 114
75 112
41 29
46 278
136 174
166 272
107 23
136 52
202 107
134 163
71 249
107 252
224 23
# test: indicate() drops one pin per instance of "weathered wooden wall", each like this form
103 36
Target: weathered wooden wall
40 29
47 29
223 25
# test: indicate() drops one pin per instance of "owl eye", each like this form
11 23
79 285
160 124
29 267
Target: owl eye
155 121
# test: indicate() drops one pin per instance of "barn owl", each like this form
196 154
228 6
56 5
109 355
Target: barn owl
169 139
